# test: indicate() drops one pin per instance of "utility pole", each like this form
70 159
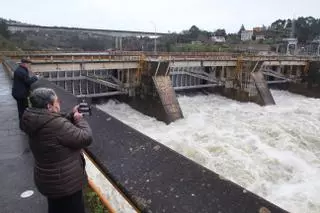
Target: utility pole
155 41
293 28
155 37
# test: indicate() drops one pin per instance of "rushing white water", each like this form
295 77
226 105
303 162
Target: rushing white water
273 151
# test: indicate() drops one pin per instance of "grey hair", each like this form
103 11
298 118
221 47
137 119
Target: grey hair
41 97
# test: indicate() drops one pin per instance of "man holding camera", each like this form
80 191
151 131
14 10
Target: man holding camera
56 142
21 85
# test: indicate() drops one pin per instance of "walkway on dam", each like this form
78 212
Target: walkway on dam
16 160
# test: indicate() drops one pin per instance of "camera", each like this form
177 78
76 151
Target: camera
84 108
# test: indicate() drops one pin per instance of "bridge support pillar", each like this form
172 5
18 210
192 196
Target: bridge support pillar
243 86
155 96
310 82
279 69
231 88
118 43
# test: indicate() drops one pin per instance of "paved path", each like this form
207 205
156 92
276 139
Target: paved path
16 160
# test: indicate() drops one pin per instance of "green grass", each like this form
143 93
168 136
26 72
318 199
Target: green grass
5 44
92 202
201 48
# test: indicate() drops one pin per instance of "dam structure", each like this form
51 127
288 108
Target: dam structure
151 176
153 79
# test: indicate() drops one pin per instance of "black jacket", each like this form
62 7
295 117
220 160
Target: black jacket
56 145
22 82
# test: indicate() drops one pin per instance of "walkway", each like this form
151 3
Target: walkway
16 160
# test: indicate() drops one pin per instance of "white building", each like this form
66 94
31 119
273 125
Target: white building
218 39
246 35
196 42
260 37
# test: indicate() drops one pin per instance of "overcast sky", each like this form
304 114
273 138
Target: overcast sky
165 15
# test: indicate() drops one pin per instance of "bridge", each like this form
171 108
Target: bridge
107 32
118 35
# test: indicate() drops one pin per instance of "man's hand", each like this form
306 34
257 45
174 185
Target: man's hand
77 116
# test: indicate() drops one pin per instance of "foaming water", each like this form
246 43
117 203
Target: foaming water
273 151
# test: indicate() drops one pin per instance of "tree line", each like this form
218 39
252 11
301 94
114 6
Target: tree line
4 29
305 29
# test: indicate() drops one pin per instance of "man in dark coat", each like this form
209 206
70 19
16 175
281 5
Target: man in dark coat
56 142
21 85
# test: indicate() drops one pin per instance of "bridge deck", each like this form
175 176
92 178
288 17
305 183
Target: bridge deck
16 160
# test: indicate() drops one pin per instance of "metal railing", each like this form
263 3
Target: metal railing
135 55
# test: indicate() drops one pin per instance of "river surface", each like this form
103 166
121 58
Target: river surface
273 151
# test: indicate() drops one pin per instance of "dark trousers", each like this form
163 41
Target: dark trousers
69 204
22 105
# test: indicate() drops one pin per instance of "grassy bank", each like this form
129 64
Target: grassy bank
92 202
201 48
5 44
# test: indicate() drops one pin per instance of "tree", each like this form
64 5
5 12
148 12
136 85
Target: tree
303 29
233 38
241 29
194 32
220 32
4 29
278 25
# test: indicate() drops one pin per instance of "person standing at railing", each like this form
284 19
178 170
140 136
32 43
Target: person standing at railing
56 140
21 86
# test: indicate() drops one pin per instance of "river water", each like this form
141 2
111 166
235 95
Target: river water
273 151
